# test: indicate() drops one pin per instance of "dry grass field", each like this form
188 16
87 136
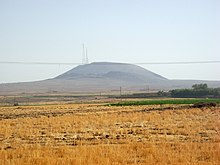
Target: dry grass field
98 134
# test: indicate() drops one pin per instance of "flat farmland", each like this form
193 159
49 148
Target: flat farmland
100 134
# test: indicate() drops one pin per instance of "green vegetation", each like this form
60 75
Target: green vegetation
198 90
165 101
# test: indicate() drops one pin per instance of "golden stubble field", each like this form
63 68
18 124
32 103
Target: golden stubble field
97 134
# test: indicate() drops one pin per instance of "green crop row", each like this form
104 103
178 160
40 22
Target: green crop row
165 101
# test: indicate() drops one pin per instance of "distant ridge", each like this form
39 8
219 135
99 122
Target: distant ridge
103 76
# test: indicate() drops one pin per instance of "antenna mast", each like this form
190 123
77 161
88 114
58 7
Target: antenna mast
83 54
85 59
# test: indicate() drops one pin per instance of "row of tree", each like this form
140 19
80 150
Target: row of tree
198 90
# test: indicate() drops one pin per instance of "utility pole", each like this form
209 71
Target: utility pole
120 90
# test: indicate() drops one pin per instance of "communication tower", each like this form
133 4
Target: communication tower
85 59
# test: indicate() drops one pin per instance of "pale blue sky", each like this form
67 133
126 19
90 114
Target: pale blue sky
131 31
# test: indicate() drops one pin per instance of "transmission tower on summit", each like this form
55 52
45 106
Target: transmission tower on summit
85 59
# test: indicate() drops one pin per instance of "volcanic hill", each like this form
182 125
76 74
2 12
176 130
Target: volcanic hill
102 76
116 71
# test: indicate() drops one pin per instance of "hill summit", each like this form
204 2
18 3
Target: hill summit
117 71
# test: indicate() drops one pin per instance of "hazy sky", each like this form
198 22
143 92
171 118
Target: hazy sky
130 31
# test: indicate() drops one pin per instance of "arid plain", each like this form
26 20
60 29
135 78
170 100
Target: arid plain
93 133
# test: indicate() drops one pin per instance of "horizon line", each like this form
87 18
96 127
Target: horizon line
137 63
